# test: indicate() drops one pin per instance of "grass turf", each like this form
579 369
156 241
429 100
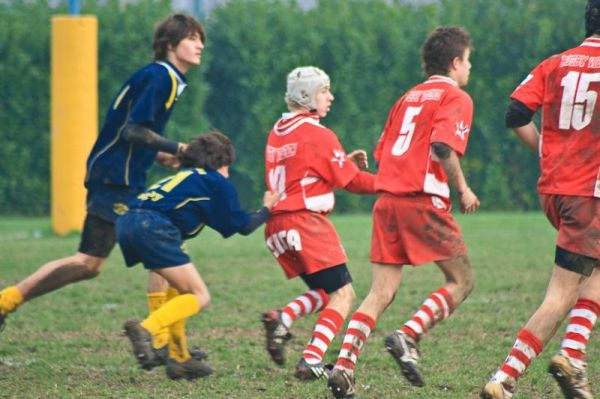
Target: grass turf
68 344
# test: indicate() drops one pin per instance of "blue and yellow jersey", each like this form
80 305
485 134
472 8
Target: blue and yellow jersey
194 198
147 98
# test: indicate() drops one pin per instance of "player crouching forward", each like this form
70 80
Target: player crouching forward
153 231
305 162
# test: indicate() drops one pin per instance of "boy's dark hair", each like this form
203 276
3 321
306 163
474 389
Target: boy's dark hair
441 47
172 30
212 150
592 17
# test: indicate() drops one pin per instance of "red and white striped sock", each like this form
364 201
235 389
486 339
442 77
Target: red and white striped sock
435 308
329 323
526 348
582 318
359 329
309 302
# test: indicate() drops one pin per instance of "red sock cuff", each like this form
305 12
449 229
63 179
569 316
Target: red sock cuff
588 304
444 292
534 342
364 318
324 297
332 315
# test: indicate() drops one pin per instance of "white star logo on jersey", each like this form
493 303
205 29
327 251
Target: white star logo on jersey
461 130
339 157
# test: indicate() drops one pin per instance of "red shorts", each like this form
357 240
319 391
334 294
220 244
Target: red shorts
411 230
304 242
577 220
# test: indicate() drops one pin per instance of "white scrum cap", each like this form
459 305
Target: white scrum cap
303 83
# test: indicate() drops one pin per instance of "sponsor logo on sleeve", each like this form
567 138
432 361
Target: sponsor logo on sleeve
461 130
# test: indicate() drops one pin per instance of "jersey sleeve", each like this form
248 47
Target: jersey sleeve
153 99
226 216
531 90
452 121
329 161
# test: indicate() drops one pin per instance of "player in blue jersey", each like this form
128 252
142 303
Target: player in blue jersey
153 232
129 142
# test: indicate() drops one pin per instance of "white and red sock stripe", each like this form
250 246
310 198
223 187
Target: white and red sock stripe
329 323
437 307
309 302
526 348
582 318
359 329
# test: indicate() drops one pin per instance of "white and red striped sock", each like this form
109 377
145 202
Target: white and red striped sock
526 348
309 302
359 329
437 307
582 318
329 323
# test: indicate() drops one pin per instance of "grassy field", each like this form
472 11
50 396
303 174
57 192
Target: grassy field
69 345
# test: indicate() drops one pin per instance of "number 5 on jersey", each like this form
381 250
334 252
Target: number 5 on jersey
406 131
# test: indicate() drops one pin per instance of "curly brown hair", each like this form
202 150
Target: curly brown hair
212 150
442 46
172 30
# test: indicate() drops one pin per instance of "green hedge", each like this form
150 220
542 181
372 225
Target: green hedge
370 49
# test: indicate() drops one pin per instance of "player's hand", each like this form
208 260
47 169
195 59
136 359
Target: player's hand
469 202
270 199
359 158
169 160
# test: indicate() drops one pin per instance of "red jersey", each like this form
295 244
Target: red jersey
566 86
433 111
305 162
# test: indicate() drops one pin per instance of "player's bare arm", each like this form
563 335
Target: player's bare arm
529 135
449 160
518 117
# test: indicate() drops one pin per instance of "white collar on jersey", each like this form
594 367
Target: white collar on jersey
291 120
441 78
591 42
181 85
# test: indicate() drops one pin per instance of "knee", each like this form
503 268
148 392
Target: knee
347 294
203 299
92 266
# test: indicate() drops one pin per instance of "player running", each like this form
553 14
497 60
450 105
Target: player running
153 232
305 162
127 146
565 87
425 135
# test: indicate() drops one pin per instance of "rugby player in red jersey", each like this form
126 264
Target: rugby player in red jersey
304 163
419 150
565 87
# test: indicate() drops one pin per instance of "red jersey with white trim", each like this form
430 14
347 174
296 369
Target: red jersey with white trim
433 111
566 86
305 162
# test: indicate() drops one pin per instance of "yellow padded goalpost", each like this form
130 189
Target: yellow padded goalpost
74 116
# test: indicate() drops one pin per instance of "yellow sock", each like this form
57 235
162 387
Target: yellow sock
10 299
178 308
171 293
177 339
178 342
155 301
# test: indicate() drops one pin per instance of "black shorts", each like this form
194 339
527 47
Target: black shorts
98 237
329 280
105 204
